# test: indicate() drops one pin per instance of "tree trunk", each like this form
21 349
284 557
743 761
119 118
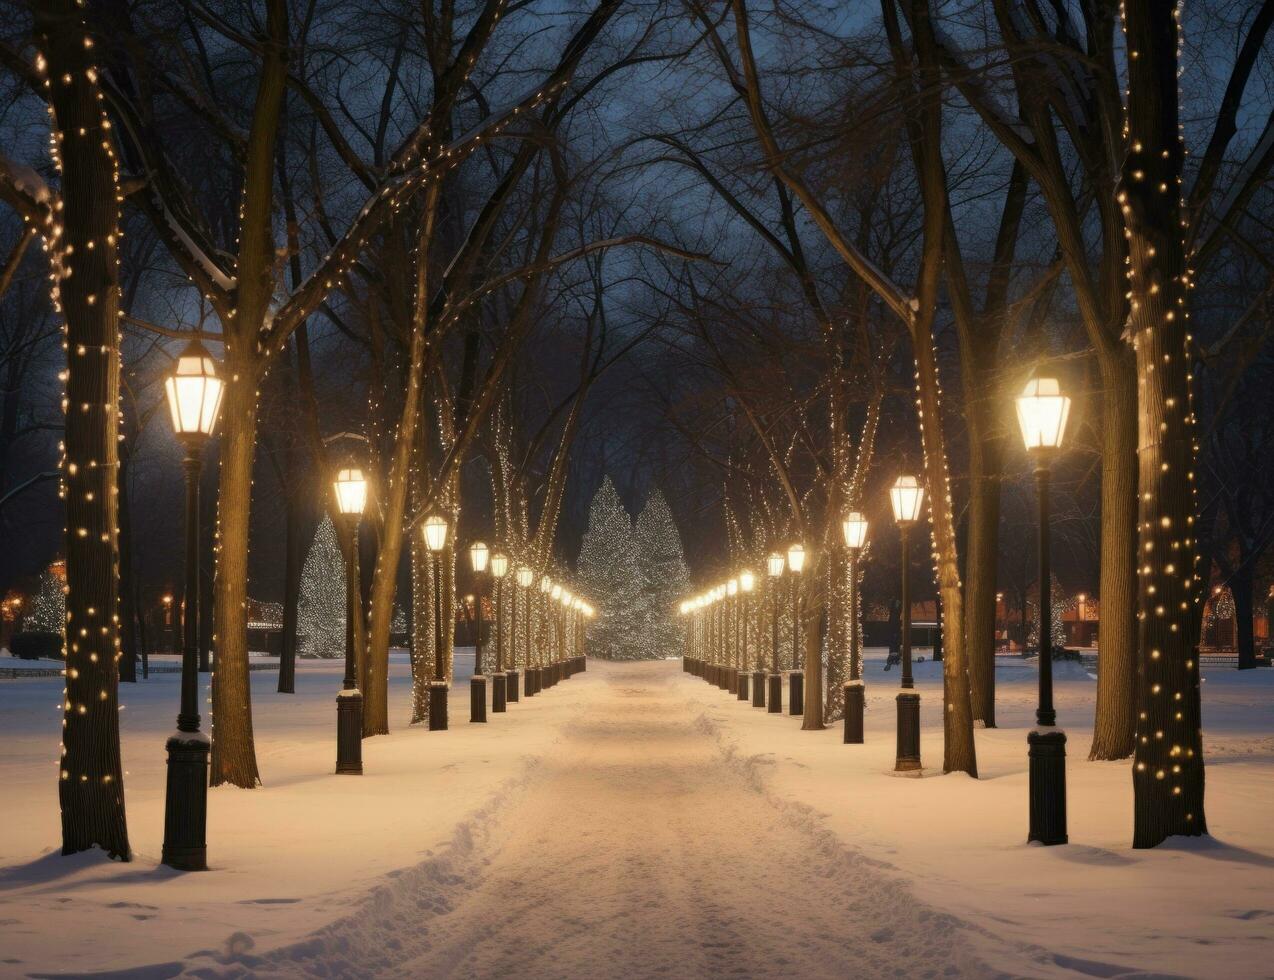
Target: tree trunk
1244 629
1113 723
810 625
839 624
85 286
986 448
293 562
1168 755
233 755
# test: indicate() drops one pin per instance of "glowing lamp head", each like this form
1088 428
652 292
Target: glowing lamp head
683 608
1042 412
906 497
499 564
351 491
479 556
567 599
732 586
435 531
194 393
746 580
546 584
855 528
525 576
796 557
556 593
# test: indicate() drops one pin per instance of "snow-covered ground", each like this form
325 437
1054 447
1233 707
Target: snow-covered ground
634 821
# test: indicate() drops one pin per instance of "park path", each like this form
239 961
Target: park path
637 849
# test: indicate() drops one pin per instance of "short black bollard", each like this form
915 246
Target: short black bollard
437 706
758 689
908 754
511 686
349 733
741 682
797 681
1047 751
477 698
854 712
499 687
775 694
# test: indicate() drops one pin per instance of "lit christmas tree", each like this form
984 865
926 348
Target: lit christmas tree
321 608
665 578
47 610
610 576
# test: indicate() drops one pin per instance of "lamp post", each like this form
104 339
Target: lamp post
1042 412
194 397
435 532
746 583
499 680
350 490
796 679
906 497
855 529
479 558
774 566
522 580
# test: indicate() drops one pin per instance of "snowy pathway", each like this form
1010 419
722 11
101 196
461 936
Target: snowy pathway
635 849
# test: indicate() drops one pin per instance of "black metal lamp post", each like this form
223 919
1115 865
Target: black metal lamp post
1042 412
774 566
499 679
350 490
747 582
906 497
435 532
795 563
194 397
855 529
479 558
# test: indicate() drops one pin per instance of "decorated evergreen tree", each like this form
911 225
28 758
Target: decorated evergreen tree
47 610
610 577
321 608
664 578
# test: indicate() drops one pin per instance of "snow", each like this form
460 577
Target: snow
634 821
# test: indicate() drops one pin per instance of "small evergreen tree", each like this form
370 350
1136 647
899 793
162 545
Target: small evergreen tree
664 578
47 612
610 578
321 608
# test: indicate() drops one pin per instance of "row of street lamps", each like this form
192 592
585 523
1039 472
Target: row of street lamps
194 393
713 650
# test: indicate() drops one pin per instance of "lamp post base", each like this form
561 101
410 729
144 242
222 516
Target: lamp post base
499 688
758 689
1047 752
511 686
774 697
796 680
438 706
741 683
854 698
186 802
349 732
477 698
908 754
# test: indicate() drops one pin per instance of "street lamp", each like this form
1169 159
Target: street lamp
479 558
194 397
747 582
796 679
906 497
774 565
435 532
350 491
499 680
855 529
1042 412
